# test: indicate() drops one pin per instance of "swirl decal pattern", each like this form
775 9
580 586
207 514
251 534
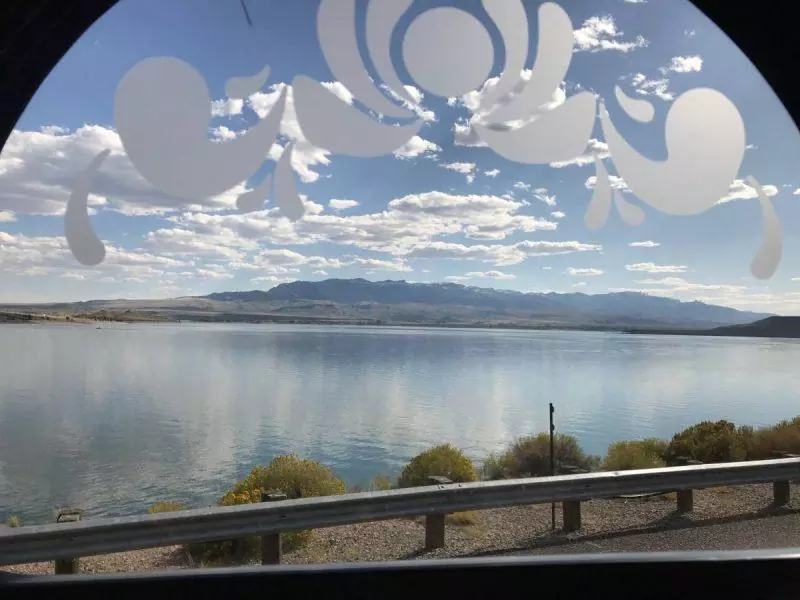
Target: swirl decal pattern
447 52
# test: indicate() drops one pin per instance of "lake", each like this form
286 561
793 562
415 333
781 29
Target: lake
111 420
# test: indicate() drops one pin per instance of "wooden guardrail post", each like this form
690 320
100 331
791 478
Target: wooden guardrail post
685 498
781 490
271 542
434 524
571 509
67 566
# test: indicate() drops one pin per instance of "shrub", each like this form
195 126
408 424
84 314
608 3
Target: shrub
530 457
160 507
13 521
709 442
784 437
497 466
638 454
380 483
446 460
463 518
295 477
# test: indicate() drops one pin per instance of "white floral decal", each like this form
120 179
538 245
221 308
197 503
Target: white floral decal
448 52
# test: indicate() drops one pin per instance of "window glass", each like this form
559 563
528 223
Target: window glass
346 233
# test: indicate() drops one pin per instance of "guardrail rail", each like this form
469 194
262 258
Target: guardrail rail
67 541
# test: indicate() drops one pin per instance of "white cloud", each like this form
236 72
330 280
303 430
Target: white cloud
342 204
498 254
593 148
557 214
636 1
645 244
320 273
6 216
459 167
284 257
652 87
689 32
572 271
796 192
649 267
408 224
740 190
541 194
38 170
227 107
23 255
271 280
489 217
223 134
492 173
376 264
685 64
521 185
601 33
416 106
305 155
464 168
417 146
677 284
463 132
617 183
580 284
497 275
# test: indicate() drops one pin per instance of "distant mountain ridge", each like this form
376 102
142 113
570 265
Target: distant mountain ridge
489 304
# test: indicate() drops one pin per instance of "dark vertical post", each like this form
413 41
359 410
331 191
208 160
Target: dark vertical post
552 465
434 531
67 566
434 524
782 492
271 543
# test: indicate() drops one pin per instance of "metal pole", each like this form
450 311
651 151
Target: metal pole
552 465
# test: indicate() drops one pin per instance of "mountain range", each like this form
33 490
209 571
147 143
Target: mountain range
403 303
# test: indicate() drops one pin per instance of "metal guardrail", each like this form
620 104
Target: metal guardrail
103 536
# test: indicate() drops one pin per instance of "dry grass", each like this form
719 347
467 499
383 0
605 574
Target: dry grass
469 517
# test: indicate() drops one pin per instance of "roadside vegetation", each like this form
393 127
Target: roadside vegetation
292 477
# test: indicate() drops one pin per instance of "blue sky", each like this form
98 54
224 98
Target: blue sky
439 209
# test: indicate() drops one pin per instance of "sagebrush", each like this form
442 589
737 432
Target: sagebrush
637 454
445 460
709 442
530 457
781 437
297 478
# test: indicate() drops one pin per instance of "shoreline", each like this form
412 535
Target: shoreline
7 318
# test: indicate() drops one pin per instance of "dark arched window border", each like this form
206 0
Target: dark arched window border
35 35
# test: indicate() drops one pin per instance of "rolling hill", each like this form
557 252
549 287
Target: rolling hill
403 303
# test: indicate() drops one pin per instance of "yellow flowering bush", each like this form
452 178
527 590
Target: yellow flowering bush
297 478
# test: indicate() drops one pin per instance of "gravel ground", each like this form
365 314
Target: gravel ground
743 513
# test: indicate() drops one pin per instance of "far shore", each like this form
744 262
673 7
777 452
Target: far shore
8 317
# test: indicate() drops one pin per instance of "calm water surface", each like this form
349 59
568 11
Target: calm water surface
111 420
